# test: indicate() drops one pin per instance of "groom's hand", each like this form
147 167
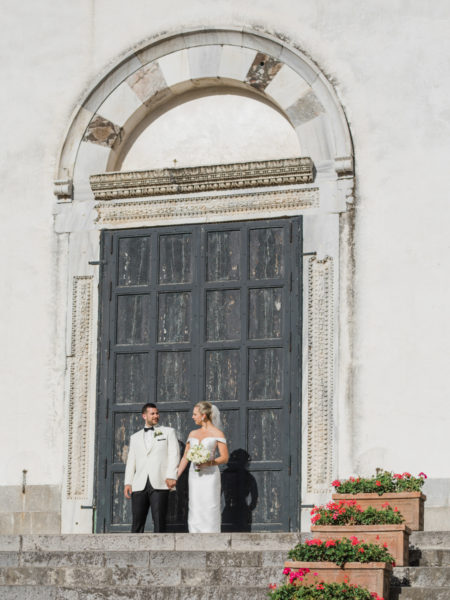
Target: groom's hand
171 483
127 491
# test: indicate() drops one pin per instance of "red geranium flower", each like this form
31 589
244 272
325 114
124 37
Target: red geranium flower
378 483
336 483
423 475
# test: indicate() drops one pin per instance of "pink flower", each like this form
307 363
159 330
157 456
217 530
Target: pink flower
385 505
329 543
320 587
286 570
406 474
423 475
336 483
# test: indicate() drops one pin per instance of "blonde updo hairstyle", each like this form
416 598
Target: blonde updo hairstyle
205 408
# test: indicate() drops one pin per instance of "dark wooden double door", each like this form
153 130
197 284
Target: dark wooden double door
204 312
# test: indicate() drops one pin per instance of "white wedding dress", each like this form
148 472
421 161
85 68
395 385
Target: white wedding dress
204 492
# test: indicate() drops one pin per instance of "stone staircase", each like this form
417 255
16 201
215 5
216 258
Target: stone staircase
184 567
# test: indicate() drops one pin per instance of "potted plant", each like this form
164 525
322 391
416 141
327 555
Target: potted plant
321 591
342 560
345 518
400 490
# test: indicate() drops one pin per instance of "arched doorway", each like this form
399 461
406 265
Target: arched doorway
112 120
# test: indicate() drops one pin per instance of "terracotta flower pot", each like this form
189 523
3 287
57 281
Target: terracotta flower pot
396 537
373 576
409 504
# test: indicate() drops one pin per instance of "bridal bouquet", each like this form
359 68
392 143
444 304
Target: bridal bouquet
198 455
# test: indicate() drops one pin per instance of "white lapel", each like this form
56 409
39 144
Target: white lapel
151 441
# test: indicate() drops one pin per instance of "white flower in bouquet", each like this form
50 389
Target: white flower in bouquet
198 455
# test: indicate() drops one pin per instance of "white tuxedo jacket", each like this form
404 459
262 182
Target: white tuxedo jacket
159 462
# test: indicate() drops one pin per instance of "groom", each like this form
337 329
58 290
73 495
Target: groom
151 470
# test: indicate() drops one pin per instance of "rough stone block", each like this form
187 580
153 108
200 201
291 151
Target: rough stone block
9 559
11 498
254 541
202 541
31 576
184 559
111 541
28 592
42 498
430 539
9 543
45 522
248 575
126 559
199 577
422 576
63 559
233 559
6 524
273 558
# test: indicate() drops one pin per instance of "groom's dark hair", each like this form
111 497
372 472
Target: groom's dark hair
148 405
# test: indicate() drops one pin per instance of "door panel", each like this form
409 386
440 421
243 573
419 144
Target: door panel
204 312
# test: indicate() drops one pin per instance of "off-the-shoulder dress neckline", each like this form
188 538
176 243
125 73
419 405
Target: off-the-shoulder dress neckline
211 437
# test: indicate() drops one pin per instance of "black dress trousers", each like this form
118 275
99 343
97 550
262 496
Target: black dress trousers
149 498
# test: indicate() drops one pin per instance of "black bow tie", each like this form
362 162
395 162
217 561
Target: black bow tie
149 429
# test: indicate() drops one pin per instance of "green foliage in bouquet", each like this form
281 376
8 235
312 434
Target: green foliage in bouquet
340 551
381 483
348 512
321 591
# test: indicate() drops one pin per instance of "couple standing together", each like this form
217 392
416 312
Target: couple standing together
153 467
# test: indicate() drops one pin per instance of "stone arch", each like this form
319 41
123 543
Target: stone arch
154 75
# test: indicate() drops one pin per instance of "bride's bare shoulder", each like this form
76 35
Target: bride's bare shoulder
218 433
193 434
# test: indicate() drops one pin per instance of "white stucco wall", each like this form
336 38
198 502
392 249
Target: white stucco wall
389 64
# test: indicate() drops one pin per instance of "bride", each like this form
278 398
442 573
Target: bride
204 484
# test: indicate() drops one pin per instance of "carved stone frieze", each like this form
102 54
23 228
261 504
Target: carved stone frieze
280 201
320 383
79 410
160 182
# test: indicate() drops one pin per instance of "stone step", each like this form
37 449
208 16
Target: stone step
132 576
424 593
430 539
148 593
421 576
154 559
429 557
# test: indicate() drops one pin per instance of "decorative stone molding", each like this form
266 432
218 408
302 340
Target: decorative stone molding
63 189
77 460
139 184
238 205
344 166
320 375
